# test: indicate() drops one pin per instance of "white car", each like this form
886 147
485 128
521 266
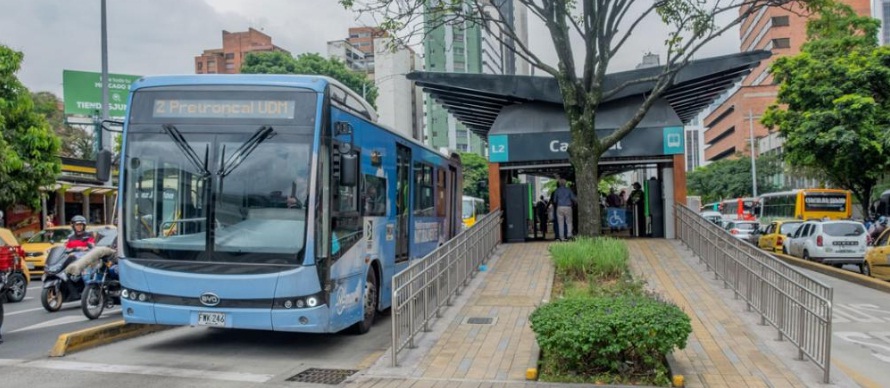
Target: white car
829 242
742 229
714 217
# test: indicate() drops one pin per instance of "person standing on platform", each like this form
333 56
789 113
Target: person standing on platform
564 199
541 214
636 207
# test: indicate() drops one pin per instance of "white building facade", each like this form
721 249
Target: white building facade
399 100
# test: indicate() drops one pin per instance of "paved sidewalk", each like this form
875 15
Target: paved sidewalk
722 352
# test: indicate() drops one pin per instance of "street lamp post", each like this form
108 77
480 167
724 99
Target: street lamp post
753 151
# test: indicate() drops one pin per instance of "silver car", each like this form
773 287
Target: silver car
742 229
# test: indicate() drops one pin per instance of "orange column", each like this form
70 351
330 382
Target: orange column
680 179
494 186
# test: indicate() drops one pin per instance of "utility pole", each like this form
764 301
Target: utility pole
753 151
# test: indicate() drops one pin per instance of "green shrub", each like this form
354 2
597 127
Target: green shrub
590 258
628 335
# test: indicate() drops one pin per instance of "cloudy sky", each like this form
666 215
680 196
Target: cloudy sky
164 36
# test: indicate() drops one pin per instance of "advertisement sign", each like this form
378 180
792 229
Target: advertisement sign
82 92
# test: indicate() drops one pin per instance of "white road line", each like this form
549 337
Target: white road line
24 311
63 320
35 288
149 370
10 361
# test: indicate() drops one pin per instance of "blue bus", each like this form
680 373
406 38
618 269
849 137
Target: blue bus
271 202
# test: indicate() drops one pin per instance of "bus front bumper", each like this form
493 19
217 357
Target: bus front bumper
307 320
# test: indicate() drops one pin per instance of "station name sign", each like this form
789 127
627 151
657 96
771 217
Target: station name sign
541 146
234 109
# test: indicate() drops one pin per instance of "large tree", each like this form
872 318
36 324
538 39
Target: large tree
603 27
281 63
28 148
835 110
76 141
731 178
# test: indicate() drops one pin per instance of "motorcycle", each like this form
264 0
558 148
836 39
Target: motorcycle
102 287
58 286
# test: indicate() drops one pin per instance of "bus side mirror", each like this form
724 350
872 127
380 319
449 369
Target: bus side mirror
348 168
103 165
348 155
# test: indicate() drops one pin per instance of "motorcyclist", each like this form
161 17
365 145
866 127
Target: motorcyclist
80 240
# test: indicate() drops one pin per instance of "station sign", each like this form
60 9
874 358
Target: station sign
529 147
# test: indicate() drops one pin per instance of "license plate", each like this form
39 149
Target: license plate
844 251
30 265
212 319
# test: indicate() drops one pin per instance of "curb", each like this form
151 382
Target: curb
853 277
100 335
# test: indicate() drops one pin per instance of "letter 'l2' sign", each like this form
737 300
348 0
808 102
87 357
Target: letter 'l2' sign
499 149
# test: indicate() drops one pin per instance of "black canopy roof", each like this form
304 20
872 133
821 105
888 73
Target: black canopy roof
477 99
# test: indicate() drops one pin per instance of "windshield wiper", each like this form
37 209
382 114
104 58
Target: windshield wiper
187 150
261 134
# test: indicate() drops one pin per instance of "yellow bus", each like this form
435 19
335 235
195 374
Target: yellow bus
806 204
472 209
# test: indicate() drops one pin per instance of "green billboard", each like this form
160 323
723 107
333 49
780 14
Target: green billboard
82 92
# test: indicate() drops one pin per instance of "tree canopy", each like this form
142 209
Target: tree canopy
28 148
603 27
277 62
76 142
833 108
731 178
475 170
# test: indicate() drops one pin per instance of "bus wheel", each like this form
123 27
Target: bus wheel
369 304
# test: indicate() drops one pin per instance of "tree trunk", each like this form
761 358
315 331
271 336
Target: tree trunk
864 198
587 180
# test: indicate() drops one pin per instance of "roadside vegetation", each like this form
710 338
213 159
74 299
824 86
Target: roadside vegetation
602 326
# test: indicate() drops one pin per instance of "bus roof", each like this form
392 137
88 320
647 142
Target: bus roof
795 191
318 83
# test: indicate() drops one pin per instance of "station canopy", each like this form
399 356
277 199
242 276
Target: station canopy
477 100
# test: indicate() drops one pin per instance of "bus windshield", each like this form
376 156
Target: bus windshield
468 208
210 192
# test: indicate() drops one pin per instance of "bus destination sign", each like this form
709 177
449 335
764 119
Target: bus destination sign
825 202
231 109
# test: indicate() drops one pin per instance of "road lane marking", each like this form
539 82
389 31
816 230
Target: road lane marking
24 311
149 371
853 374
62 321
856 337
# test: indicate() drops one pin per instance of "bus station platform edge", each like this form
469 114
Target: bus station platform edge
726 349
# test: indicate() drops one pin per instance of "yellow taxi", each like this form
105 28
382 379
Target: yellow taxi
877 258
19 277
38 246
776 233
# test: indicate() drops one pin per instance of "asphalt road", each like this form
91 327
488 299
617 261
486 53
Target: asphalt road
861 328
29 331
185 356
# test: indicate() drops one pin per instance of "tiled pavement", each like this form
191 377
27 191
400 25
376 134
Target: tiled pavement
722 352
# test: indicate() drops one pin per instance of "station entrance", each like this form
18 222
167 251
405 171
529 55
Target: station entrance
524 124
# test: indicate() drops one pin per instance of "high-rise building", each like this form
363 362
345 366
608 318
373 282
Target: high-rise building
728 128
399 101
348 54
882 12
694 145
469 48
236 45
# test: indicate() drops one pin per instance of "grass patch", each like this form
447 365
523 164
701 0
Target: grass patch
603 327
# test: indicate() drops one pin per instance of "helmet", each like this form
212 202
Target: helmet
882 220
78 220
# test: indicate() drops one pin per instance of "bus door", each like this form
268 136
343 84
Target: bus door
403 191
453 197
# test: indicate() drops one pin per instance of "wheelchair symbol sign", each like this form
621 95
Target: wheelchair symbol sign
616 217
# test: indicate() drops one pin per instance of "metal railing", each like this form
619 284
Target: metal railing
421 291
798 306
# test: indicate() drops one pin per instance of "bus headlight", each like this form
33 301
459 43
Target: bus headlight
299 302
135 295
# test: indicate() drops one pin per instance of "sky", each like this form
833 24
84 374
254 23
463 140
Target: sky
164 36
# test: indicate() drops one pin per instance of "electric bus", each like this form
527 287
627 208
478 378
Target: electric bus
292 208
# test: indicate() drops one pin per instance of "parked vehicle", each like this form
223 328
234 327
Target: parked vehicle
776 233
876 263
16 284
742 229
830 242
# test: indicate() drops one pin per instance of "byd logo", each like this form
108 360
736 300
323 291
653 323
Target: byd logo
209 299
